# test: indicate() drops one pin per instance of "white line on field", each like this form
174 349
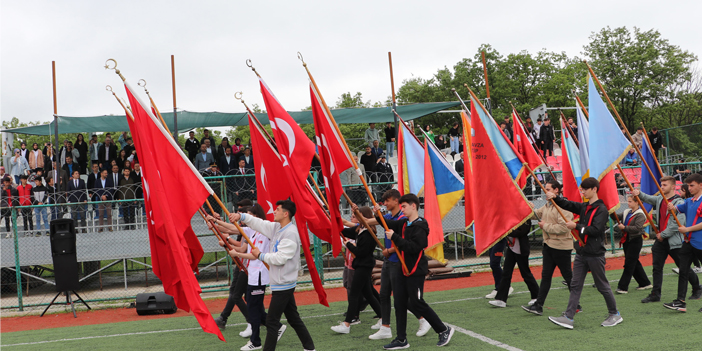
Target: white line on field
484 338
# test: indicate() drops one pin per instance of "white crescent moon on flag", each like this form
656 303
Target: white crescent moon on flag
263 178
270 207
289 133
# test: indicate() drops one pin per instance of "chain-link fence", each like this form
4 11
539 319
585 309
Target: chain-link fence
684 142
113 245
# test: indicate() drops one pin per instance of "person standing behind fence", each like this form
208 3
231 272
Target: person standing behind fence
638 137
25 199
104 189
55 197
454 135
390 139
19 165
547 136
204 159
36 158
106 153
558 245
9 199
82 147
371 134
632 230
93 150
656 141
227 162
77 193
127 191
39 197
192 146
246 156
590 256
368 160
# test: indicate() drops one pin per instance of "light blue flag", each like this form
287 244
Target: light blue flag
574 157
607 143
414 161
583 141
504 149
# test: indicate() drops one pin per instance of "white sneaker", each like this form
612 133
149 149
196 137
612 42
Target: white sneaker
250 346
511 290
246 333
697 270
424 327
676 270
532 302
498 303
491 295
281 331
382 333
377 326
341 328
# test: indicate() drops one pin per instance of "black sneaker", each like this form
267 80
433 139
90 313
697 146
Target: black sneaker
355 321
676 305
221 323
696 295
578 309
397 344
564 282
535 309
651 298
445 336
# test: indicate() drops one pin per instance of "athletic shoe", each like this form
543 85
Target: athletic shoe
651 298
397 344
697 270
498 303
676 305
377 325
281 331
676 270
355 321
562 321
511 290
620 291
250 346
445 336
564 282
535 309
649 286
341 328
221 323
578 309
382 333
700 309
247 332
696 295
491 295
531 302
424 327
612 320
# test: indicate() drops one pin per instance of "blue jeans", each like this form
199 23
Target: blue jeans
390 148
455 145
42 215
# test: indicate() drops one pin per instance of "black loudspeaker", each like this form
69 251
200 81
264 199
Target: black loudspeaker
63 252
155 303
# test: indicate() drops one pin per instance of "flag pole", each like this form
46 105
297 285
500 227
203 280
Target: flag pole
219 234
353 161
626 132
573 233
56 133
175 109
531 139
631 188
487 86
655 157
392 87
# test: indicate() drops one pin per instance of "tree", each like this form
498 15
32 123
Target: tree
637 68
346 100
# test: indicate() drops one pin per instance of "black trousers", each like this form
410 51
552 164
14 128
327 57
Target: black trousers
27 215
632 265
553 258
257 312
512 259
7 215
548 148
236 290
661 250
361 286
409 294
284 302
687 253
496 253
388 281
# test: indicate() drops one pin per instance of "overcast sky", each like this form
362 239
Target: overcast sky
345 45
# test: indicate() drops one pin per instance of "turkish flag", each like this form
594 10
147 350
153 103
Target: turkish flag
333 159
494 222
523 144
171 200
268 165
296 152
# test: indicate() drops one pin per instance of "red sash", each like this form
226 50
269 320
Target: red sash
589 223
403 255
625 234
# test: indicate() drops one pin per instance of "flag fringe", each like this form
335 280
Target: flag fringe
528 218
443 261
611 167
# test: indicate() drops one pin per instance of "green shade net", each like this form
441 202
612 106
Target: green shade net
188 120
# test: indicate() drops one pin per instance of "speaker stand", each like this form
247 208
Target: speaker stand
69 301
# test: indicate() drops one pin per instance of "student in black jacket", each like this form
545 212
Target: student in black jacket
410 237
589 255
363 264
517 254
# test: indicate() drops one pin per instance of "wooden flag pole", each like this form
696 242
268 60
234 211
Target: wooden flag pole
353 161
238 227
638 151
219 234
175 109
531 139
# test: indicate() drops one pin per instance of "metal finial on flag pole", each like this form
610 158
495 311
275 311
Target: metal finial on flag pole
248 64
299 55
107 66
